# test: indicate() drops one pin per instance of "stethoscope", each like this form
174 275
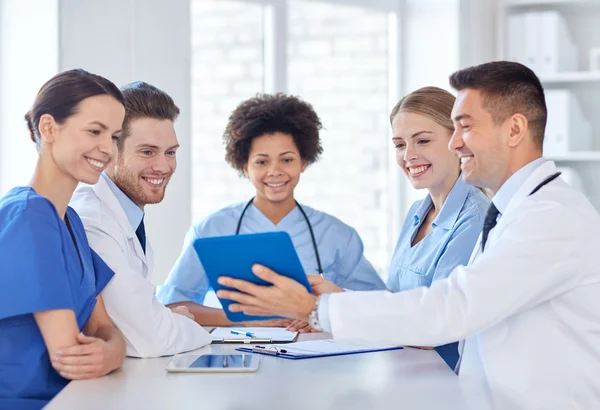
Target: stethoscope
312 234
537 188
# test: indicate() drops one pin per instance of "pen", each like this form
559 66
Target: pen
238 332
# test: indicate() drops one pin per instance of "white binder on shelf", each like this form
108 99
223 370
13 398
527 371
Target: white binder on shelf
567 129
557 51
515 35
531 41
541 41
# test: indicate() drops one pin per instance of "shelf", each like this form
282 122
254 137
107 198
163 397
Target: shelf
572 77
575 156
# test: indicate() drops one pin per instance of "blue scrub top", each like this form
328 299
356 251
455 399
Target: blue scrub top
449 244
41 270
340 249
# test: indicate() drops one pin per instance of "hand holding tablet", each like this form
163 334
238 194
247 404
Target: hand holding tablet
234 256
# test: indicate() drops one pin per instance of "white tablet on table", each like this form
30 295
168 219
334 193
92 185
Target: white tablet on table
220 363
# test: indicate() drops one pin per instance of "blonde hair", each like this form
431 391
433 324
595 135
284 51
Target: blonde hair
432 102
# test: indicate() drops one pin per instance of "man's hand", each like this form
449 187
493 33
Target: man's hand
183 311
286 297
320 286
91 358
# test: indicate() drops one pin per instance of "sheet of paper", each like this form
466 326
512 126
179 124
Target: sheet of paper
278 334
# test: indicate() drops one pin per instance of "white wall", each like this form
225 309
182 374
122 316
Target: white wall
149 40
29 44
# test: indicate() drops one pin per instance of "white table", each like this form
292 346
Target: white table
400 379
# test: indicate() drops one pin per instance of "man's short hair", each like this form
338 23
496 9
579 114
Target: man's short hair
507 88
143 100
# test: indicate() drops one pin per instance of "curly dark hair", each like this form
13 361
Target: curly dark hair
268 114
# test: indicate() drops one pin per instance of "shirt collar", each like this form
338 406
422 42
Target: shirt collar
453 204
512 184
134 213
422 210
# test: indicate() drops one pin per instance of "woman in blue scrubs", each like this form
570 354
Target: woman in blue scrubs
271 139
439 231
53 325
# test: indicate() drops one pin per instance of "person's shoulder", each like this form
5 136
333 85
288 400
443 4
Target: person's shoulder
564 201
23 203
557 213
333 223
227 215
475 206
87 204
93 210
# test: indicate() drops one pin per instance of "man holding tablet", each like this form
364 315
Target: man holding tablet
527 304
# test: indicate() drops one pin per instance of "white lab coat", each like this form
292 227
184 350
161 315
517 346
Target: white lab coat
528 307
150 328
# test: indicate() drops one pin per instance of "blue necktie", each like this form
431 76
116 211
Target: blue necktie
140 232
491 218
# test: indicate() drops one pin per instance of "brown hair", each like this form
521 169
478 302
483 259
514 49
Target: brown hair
268 114
432 102
507 88
143 100
61 95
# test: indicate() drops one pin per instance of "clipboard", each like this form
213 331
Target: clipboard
314 348
234 256
265 335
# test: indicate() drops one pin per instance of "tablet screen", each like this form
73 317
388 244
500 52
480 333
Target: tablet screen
221 361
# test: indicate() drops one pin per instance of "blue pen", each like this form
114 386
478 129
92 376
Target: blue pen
238 332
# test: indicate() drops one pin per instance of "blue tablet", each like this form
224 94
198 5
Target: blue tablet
234 256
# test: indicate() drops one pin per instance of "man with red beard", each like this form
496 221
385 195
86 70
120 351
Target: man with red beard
112 212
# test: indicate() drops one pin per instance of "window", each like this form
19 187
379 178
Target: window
227 67
335 55
338 61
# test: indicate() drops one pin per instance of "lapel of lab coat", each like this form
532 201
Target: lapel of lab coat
108 198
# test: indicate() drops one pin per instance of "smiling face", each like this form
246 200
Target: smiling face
274 166
479 142
422 151
147 161
84 143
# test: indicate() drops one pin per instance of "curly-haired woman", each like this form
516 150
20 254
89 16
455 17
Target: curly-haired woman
271 140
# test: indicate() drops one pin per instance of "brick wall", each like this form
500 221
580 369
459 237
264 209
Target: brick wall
227 67
337 60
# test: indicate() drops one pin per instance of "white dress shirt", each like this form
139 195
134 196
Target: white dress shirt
150 328
528 307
